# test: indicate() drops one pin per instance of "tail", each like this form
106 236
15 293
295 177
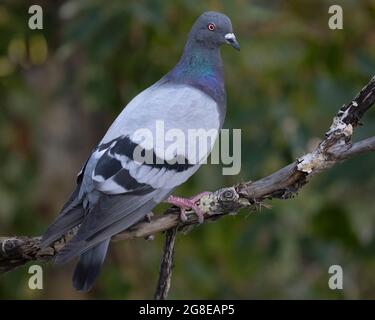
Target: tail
89 265
71 215
61 226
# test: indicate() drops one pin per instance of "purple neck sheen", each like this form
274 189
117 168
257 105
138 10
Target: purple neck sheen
201 67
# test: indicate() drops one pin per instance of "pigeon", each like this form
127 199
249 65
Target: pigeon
114 189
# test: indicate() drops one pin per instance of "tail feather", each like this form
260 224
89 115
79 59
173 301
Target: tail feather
89 265
114 215
62 224
70 215
72 202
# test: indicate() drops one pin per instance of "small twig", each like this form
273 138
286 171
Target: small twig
166 265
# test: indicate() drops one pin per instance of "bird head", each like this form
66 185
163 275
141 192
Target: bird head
214 29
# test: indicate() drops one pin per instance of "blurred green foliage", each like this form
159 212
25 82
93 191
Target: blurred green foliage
61 87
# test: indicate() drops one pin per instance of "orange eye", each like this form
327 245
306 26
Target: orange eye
211 26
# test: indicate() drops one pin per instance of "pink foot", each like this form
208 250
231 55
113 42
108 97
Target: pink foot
199 196
187 204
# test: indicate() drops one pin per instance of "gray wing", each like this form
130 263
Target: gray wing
118 172
117 190
71 214
125 191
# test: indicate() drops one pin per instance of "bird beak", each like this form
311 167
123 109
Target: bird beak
230 38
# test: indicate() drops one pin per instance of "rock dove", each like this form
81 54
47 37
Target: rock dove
114 190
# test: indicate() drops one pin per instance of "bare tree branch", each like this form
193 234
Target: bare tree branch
283 184
364 146
166 265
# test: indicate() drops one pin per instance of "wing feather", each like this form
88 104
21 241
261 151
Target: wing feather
117 190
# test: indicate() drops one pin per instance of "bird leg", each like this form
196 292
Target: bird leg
188 204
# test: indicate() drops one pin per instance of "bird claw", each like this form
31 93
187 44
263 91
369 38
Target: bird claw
149 216
183 216
188 204
199 196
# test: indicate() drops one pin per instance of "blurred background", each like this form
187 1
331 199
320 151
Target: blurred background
61 87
